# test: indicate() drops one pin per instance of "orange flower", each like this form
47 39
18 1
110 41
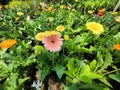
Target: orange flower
100 14
101 10
7 43
17 18
117 46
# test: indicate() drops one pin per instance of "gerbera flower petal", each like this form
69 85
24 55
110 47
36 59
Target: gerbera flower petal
60 28
117 18
7 43
96 28
39 36
53 42
117 46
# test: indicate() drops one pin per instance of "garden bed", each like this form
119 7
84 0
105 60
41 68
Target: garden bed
60 45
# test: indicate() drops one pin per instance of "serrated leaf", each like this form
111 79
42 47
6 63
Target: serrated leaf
44 72
70 65
60 70
85 69
86 79
103 80
4 70
108 60
95 75
84 74
100 59
22 80
93 64
115 77
78 39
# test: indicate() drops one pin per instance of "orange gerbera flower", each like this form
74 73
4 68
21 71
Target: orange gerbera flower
117 46
101 10
7 43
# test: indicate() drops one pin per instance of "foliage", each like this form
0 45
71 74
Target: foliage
88 60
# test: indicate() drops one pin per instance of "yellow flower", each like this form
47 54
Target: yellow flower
76 0
96 28
113 13
73 10
39 36
17 18
7 43
117 19
48 33
1 7
61 6
66 37
60 28
4 24
6 6
90 11
53 11
20 13
49 8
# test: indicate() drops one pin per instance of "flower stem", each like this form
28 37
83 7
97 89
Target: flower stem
111 71
53 62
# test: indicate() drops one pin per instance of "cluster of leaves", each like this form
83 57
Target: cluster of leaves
85 58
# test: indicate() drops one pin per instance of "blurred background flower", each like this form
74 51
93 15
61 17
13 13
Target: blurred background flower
96 28
60 28
117 46
117 18
7 43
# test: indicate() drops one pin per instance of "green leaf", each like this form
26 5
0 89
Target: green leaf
108 60
4 70
92 87
38 49
22 80
93 64
86 79
95 75
70 65
91 49
85 74
43 58
115 77
29 61
60 70
78 39
66 87
73 87
69 73
45 71
85 69
100 59
103 80
2 86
